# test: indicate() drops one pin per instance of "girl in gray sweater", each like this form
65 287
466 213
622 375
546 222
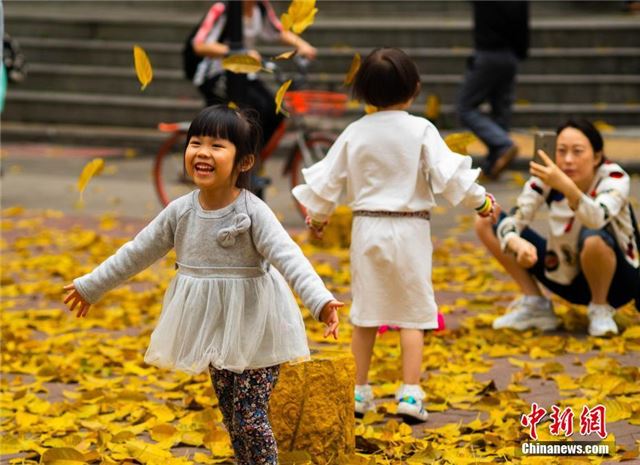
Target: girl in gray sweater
228 308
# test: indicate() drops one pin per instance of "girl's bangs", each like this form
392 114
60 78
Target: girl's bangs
220 124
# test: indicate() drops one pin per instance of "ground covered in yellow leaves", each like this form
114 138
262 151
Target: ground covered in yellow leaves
76 391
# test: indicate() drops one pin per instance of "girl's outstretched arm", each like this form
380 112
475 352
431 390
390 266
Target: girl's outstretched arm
150 244
274 243
73 298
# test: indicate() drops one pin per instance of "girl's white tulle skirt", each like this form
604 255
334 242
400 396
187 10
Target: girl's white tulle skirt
229 323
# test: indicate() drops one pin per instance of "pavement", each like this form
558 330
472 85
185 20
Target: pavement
43 177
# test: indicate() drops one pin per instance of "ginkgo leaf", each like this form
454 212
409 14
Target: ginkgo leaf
241 64
432 107
280 96
141 61
232 105
286 55
353 69
91 169
299 16
62 456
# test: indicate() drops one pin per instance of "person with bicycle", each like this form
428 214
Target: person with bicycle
389 165
228 309
211 41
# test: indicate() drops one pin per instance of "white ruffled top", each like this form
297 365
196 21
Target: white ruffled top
389 161
227 306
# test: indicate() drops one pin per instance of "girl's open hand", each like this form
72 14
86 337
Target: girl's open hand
329 316
73 298
549 173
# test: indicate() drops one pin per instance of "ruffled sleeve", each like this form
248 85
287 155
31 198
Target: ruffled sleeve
450 174
325 181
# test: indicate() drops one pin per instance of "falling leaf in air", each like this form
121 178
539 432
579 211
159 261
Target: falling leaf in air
91 169
432 107
280 96
241 64
299 16
144 71
232 105
353 69
603 126
368 109
286 55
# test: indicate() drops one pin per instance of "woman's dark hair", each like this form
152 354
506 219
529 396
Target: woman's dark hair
590 132
240 127
387 77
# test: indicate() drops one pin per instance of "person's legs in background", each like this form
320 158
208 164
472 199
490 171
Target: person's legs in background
484 69
362 342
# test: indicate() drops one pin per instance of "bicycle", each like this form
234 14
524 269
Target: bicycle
310 146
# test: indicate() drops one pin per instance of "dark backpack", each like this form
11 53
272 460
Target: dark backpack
190 60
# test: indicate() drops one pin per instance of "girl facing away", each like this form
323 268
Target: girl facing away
228 309
388 166
589 256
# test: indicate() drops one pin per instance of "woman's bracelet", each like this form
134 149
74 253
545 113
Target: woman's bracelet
487 207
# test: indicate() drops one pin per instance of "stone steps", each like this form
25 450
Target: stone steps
558 60
584 60
531 88
146 112
601 31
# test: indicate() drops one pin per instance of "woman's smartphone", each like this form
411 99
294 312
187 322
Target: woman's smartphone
545 141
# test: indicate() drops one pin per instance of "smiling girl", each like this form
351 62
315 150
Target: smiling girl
227 309
591 255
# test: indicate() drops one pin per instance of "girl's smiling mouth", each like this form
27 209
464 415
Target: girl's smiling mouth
203 168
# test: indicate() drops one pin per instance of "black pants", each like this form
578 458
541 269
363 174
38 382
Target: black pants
254 94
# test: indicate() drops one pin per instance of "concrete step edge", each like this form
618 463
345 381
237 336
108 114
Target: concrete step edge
191 104
418 52
150 139
617 22
177 74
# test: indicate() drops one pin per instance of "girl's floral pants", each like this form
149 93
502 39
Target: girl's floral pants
244 401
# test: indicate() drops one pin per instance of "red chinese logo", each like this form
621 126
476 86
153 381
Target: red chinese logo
593 421
561 421
533 419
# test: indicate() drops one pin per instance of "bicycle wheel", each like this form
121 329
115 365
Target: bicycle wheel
169 177
317 146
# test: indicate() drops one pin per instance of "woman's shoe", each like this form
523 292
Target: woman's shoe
601 321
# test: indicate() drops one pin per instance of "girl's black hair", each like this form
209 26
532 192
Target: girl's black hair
240 127
387 77
590 132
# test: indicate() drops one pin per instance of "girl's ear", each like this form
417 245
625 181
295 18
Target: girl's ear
247 163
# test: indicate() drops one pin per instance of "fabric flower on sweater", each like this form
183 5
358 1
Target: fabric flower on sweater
227 236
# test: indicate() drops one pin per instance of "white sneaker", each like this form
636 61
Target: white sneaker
364 400
528 312
601 321
410 406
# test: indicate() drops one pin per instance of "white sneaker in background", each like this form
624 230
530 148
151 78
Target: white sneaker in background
410 405
364 400
528 312
601 321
